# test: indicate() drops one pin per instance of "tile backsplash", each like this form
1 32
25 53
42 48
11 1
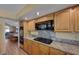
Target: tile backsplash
70 38
44 34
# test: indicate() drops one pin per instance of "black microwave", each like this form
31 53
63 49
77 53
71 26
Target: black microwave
45 25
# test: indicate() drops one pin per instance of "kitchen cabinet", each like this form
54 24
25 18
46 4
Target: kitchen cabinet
54 51
25 27
45 18
63 22
35 48
41 19
76 18
31 25
50 16
27 46
44 50
66 20
28 26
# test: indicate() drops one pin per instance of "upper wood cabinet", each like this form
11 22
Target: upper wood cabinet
45 18
65 21
76 18
31 25
25 27
62 21
50 16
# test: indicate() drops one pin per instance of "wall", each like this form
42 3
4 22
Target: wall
2 32
70 36
2 37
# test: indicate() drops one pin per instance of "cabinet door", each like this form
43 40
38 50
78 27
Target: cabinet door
76 13
44 50
27 46
62 21
25 26
54 51
41 19
50 17
45 18
31 25
35 48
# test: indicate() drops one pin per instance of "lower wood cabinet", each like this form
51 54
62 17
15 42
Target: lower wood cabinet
27 46
54 51
44 50
35 48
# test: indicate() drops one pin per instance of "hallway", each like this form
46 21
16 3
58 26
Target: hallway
12 48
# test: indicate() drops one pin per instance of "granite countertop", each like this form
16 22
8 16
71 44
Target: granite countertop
73 49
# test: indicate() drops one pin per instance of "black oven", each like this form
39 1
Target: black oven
21 35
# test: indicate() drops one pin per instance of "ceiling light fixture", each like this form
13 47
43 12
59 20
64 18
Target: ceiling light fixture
26 18
37 13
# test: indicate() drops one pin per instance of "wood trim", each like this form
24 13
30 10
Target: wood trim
76 11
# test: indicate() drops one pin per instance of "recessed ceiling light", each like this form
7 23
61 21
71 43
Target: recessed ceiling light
37 13
25 18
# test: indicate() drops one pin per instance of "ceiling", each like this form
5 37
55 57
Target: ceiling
10 10
29 11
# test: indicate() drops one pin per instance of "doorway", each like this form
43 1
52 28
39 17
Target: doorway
11 40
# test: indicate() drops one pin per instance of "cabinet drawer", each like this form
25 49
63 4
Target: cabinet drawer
54 51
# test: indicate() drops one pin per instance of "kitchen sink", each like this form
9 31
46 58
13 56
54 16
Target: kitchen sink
44 40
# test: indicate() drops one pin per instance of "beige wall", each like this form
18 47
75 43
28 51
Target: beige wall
2 33
2 38
71 36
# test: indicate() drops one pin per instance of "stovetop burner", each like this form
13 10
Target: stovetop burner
44 40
